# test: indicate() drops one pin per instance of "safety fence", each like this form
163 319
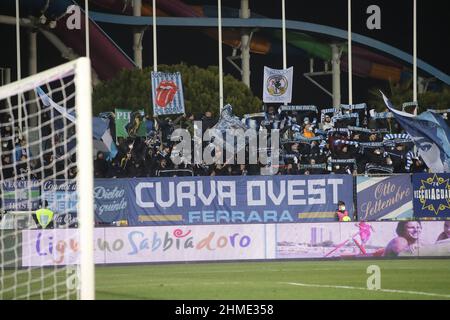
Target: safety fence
151 244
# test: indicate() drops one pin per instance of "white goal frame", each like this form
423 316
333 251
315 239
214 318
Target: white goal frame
81 69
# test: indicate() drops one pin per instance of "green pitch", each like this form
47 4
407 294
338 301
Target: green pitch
400 279
291 280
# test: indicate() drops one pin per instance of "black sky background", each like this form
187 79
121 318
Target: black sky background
193 47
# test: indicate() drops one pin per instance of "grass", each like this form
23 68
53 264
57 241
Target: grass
271 280
290 280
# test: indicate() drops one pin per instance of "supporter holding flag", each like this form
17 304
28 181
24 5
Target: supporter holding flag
431 135
102 132
327 124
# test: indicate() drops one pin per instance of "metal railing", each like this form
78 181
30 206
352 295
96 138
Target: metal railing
175 173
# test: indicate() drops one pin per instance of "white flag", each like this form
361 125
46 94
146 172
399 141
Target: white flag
277 87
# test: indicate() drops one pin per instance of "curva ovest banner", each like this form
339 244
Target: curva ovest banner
237 200
202 200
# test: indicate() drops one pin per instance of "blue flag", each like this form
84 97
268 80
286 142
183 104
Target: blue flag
101 131
57 113
431 135
50 103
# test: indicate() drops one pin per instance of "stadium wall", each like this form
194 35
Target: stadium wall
245 199
123 245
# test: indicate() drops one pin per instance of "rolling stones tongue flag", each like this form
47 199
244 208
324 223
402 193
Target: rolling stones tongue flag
167 93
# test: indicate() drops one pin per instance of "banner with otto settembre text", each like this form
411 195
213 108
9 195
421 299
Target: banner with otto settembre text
384 198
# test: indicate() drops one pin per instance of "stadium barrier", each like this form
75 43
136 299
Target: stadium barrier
240 242
243 199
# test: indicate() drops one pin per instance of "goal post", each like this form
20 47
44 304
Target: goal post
54 146
85 181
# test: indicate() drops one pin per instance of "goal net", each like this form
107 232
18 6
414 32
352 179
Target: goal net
46 185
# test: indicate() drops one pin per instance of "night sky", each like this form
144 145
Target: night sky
194 47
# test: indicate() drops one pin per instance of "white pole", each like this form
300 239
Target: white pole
85 181
350 66
155 49
32 60
33 136
219 19
245 45
86 26
415 51
19 64
137 46
283 30
283 27
18 53
7 79
336 71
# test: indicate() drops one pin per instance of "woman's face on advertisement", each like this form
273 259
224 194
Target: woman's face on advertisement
447 228
413 230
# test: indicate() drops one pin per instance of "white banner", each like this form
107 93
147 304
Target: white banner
277 86
147 244
186 243
56 247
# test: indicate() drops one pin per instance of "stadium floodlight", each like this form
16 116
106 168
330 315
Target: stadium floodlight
49 164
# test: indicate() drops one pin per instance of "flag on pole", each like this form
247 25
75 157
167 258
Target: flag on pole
130 123
431 135
101 131
167 93
277 87
57 114
48 102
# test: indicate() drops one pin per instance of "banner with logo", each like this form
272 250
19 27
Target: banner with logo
384 198
362 240
431 196
61 195
111 197
277 86
130 123
167 93
57 247
148 244
237 199
185 243
20 195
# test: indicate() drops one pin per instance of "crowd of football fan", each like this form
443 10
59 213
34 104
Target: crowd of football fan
348 140
17 159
